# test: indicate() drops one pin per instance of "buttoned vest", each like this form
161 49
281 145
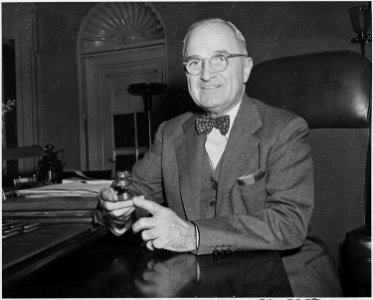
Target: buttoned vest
209 190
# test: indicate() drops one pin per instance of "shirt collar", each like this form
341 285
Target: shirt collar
232 113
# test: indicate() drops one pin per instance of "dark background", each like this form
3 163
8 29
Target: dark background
272 30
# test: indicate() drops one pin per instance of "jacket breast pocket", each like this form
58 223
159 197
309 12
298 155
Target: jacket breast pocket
254 195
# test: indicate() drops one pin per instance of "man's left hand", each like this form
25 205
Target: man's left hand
164 229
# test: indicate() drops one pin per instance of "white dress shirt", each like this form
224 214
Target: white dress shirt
216 142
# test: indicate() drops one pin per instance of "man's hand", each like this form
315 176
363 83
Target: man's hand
164 229
114 212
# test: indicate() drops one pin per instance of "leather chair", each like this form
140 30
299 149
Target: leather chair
331 91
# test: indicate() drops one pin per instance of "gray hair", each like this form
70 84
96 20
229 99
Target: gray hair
240 38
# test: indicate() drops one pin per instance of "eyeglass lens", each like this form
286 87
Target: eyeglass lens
217 62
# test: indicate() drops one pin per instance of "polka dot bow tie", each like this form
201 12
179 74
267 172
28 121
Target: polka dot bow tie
206 123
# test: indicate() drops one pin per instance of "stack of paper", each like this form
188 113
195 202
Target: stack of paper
88 188
68 202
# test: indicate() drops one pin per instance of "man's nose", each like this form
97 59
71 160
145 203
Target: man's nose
207 71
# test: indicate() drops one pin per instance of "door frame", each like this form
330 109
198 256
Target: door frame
86 49
98 116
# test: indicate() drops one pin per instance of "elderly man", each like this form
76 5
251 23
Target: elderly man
238 177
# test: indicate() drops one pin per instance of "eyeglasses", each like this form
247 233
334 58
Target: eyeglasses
218 63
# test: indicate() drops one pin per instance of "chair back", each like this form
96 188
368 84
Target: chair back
332 92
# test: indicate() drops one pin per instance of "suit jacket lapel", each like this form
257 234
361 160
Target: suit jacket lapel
241 154
189 152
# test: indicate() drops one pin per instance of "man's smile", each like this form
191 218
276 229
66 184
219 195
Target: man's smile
210 87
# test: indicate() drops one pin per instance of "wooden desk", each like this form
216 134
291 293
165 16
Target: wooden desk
25 254
119 267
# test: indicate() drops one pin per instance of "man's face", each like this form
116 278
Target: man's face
217 92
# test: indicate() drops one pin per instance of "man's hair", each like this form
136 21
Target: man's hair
240 38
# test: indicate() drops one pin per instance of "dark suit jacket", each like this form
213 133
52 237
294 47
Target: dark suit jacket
270 213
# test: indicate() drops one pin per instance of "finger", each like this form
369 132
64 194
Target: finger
149 245
116 230
143 223
108 194
122 213
156 244
110 205
149 234
127 212
148 205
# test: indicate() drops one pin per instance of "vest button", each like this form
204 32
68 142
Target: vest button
215 185
212 203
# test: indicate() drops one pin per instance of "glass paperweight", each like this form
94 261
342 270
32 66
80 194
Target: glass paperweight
121 183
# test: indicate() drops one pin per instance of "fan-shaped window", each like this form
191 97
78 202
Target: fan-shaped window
114 25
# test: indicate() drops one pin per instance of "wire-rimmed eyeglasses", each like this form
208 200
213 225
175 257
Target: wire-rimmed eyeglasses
218 62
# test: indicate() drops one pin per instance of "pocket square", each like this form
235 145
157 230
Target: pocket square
251 178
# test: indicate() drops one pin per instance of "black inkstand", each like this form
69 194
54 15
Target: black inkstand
121 183
50 166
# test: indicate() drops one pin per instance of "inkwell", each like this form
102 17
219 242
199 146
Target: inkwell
121 183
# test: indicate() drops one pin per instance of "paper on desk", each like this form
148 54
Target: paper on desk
73 188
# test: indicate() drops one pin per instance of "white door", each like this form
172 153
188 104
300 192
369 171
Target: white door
108 77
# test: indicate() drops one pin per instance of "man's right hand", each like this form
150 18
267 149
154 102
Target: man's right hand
114 212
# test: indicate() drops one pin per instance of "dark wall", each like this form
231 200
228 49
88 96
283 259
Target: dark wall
272 30
58 91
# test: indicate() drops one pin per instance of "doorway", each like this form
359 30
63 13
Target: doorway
115 118
113 122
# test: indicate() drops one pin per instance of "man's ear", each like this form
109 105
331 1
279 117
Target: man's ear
248 65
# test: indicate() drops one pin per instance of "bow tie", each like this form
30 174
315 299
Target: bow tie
206 123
